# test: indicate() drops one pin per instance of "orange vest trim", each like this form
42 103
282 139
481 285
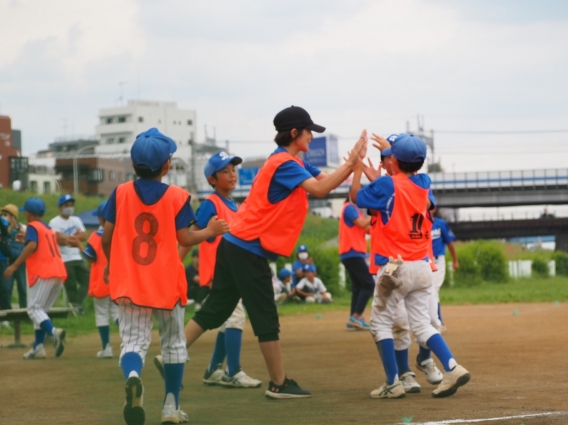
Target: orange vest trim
45 262
208 250
145 265
278 225
97 286
351 238
407 233
375 236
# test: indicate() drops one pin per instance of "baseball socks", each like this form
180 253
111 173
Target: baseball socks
437 344
388 357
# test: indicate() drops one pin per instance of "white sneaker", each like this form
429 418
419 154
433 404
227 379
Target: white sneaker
396 390
172 416
133 411
433 374
409 383
240 380
214 377
454 379
58 341
106 353
36 353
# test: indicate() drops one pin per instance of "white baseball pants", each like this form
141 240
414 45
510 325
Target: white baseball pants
135 326
236 320
415 291
41 297
105 311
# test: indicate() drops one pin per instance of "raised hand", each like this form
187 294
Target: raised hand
371 172
363 152
381 144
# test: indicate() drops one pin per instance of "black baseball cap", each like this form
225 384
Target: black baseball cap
295 117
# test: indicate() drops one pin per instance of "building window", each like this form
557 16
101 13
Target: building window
109 120
140 119
111 175
46 187
189 122
110 141
120 177
122 140
95 175
121 119
33 186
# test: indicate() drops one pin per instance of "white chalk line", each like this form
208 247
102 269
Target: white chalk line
471 421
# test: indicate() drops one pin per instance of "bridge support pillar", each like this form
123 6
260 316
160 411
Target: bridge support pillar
561 242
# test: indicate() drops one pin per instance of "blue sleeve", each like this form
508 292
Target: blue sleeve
109 213
291 174
377 195
90 253
185 217
31 235
204 213
350 214
296 265
314 171
447 234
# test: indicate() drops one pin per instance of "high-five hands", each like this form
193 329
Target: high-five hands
371 172
381 144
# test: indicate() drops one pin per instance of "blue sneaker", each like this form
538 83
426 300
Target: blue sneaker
359 323
349 326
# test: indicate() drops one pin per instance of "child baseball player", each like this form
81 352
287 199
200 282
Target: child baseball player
221 174
310 288
46 274
267 225
353 252
144 222
404 235
105 309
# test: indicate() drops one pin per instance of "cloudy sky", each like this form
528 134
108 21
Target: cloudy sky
477 70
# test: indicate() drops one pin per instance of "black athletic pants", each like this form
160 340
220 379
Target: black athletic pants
362 283
241 274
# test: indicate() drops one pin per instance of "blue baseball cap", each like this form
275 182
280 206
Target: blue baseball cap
409 148
392 138
65 198
386 152
284 273
309 268
219 161
100 209
302 248
152 149
34 206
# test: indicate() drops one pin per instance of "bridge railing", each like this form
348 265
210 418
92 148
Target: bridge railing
504 180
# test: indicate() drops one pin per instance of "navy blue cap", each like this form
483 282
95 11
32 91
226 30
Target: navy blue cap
152 149
65 198
409 148
309 268
295 117
100 209
219 161
302 248
34 206
284 273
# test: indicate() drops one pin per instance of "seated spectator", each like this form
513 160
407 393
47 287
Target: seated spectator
195 291
311 288
283 291
303 258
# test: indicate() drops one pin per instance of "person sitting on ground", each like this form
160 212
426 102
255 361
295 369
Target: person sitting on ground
303 258
311 288
195 291
283 291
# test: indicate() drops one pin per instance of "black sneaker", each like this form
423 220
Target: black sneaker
289 389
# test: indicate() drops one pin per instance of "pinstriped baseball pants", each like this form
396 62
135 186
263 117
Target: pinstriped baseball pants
41 297
135 326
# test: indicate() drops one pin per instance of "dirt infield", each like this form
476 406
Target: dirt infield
516 353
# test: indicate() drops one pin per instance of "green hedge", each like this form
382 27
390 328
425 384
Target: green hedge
539 267
561 259
481 261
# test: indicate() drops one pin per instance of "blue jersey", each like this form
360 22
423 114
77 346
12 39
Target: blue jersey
298 265
441 236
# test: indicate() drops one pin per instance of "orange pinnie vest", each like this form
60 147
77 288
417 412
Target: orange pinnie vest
407 232
145 265
278 225
45 262
97 286
375 230
351 238
208 250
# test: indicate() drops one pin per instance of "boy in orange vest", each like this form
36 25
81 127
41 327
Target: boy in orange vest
404 233
221 174
144 222
105 309
46 274
267 225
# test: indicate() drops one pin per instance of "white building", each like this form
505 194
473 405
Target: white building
42 178
118 128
